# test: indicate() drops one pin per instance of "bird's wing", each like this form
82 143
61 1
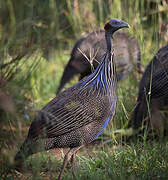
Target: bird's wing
160 84
68 113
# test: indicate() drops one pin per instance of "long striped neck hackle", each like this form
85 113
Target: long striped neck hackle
110 64
104 77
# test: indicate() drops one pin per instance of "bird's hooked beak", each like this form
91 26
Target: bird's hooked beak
124 24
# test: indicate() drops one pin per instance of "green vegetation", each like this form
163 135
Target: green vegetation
36 38
132 161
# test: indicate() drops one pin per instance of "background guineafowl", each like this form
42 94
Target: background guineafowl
79 114
153 92
90 49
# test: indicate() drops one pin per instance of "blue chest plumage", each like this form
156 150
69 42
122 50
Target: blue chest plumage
98 78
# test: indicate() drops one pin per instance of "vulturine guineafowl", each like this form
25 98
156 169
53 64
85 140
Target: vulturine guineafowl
79 114
153 92
90 49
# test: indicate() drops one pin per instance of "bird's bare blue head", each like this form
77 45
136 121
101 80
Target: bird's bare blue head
115 24
112 26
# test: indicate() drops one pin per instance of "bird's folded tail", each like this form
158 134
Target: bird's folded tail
69 72
28 148
24 152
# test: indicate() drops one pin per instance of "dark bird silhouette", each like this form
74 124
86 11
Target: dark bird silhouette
79 114
153 92
90 50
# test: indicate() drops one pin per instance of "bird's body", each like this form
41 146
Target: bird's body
90 50
153 91
78 115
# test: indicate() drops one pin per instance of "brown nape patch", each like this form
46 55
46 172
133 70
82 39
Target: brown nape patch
107 26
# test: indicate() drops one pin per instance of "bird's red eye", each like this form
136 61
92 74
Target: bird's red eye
115 22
